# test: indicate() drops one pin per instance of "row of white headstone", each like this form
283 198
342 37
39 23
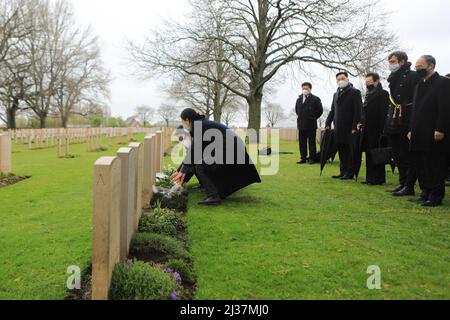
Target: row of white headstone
123 187
45 138
5 153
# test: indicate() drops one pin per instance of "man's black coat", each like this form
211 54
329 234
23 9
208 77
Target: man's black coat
227 177
308 113
402 84
374 114
345 113
431 113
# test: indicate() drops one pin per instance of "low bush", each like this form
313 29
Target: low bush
141 281
187 274
163 221
6 175
177 202
160 246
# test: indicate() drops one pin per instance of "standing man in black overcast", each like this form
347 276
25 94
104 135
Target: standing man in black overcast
402 83
309 109
346 115
429 131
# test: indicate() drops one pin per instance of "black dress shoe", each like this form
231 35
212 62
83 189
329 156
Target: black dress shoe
312 162
302 162
432 204
405 192
348 177
420 200
211 201
339 176
399 188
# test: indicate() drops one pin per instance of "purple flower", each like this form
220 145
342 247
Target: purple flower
174 296
177 276
168 270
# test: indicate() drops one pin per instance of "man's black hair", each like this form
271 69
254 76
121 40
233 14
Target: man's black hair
375 76
430 59
307 84
400 55
345 73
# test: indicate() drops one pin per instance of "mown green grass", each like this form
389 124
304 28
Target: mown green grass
295 236
301 236
46 221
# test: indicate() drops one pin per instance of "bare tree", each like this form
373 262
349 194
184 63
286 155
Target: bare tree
195 92
263 36
273 114
14 27
168 113
232 110
144 114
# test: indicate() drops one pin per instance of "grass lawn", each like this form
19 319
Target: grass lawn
295 236
301 236
46 221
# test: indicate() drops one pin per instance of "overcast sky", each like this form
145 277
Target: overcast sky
422 26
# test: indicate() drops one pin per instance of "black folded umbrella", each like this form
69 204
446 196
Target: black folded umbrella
356 145
328 149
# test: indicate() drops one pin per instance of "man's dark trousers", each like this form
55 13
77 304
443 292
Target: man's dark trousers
308 138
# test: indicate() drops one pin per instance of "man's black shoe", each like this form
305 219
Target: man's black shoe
432 204
399 188
420 200
339 176
405 192
348 177
302 162
211 201
312 162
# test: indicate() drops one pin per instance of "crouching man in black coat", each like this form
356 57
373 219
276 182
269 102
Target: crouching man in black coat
309 109
218 158
430 131
346 115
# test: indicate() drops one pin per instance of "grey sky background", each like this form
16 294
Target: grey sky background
422 27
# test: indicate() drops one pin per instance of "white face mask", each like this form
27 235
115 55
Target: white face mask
343 83
306 92
394 67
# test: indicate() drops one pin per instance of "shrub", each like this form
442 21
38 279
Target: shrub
6 175
177 202
163 221
186 272
140 281
150 243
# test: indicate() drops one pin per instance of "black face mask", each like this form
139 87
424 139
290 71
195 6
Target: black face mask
422 73
371 87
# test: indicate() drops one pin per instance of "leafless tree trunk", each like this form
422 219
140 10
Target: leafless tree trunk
144 114
168 113
273 114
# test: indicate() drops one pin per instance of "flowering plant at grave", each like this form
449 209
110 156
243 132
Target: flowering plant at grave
174 274
177 277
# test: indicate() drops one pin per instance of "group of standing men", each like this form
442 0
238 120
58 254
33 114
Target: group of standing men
414 117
